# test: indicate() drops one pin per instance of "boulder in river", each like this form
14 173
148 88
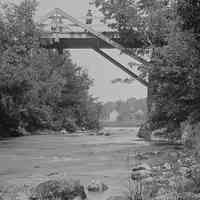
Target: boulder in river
59 189
141 172
189 196
118 198
97 186
22 131
107 134
63 131
100 133
183 196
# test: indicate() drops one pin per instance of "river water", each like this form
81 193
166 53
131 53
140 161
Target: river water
34 159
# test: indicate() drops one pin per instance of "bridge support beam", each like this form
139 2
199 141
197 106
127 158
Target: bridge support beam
60 51
122 67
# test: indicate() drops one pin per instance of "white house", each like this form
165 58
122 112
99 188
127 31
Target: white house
113 116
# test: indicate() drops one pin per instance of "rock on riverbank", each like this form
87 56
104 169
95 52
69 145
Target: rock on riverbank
58 189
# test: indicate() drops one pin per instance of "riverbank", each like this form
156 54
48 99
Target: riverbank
28 161
34 159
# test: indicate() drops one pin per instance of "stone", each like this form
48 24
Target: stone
158 134
22 131
21 196
145 131
58 189
141 156
53 173
100 133
182 184
103 133
189 196
118 198
141 167
185 171
146 155
63 131
91 133
107 134
141 172
161 192
97 186
150 189
168 196
167 166
190 134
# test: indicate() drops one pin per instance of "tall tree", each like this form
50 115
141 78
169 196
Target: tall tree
170 30
146 22
38 88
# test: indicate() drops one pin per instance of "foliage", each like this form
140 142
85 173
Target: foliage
170 29
179 75
131 110
38 88
143 21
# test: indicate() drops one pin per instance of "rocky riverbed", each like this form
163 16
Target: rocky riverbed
110 160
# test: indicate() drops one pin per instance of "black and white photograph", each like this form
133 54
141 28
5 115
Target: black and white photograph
100 100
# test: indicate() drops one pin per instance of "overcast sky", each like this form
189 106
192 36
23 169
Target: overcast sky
99 69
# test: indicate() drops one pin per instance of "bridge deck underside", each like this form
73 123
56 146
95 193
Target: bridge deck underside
82 40
65 43
81 43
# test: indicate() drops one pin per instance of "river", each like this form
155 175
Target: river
34 159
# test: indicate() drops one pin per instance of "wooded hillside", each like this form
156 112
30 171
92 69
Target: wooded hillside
170 32
39 89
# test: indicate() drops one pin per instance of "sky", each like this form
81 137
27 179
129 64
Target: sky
99 69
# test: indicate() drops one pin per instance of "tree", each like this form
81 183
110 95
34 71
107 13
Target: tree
38 88
147 22
171 31
181 60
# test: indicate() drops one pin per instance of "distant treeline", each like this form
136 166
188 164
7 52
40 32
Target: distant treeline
133 110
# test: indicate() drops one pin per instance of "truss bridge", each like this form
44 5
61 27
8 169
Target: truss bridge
62 31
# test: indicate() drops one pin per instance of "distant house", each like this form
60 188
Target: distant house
139 115
140 112
113 116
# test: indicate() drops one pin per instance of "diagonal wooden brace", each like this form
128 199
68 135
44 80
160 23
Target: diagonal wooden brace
98 35
122 67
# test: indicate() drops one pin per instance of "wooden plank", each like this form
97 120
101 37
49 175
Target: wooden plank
122 67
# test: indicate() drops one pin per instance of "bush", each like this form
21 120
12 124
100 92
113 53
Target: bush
39 89
70 125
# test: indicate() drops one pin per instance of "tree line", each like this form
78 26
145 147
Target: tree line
133 109
170 34
39 88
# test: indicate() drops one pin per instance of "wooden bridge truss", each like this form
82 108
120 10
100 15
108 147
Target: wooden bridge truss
59 38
